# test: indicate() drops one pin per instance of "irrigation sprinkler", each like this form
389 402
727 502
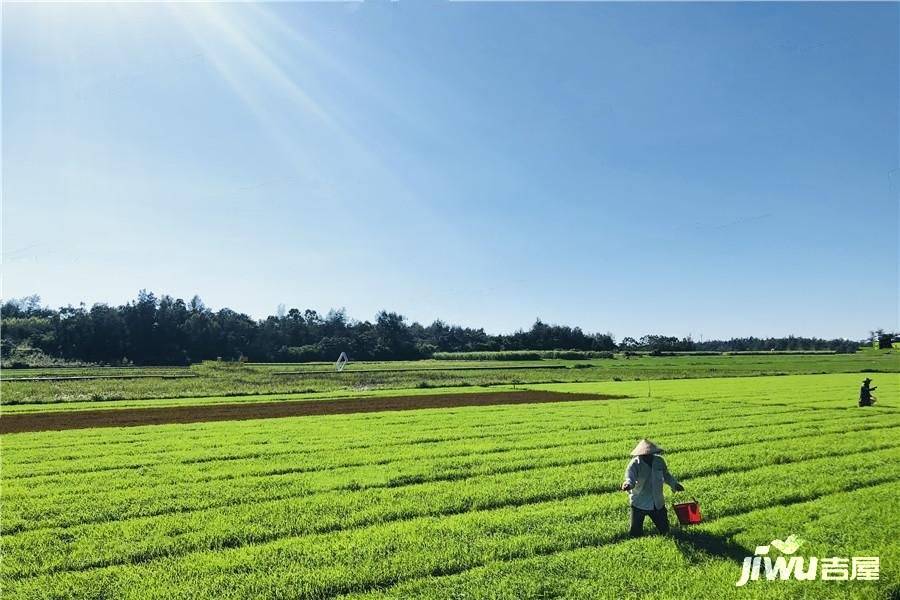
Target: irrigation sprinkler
341 362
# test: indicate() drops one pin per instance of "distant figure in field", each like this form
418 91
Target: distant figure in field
865 393
644 479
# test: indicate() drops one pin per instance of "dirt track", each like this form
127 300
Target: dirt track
129 417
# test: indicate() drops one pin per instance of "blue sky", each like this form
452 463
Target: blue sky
708 169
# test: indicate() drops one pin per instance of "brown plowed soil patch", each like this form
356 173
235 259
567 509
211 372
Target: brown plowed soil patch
129 417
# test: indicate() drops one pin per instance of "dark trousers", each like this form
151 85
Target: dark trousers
659 517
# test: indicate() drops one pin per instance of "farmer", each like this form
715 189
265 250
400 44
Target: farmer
644 479
865 393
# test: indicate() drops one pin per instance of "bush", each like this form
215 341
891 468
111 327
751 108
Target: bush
301 354
500 355
219 367
771 352
576 354
524 355
24 356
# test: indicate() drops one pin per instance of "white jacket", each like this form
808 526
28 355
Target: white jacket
647 482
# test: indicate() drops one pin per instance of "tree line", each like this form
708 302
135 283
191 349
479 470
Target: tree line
662 343
169 331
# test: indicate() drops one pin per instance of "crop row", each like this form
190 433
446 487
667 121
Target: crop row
704 561
493 520
335 427
292 435
488 500
89 496
275 458
381 446
339 429
775 394
263 461
142 539
137 495
345 432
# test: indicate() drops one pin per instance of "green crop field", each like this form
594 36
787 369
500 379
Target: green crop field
217 382
477 502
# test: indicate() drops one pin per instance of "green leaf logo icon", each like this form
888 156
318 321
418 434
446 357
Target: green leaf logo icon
789 545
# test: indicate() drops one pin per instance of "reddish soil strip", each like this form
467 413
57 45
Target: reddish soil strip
129 417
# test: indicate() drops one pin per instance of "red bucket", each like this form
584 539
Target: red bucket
688 513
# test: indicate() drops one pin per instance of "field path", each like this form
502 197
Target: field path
129 417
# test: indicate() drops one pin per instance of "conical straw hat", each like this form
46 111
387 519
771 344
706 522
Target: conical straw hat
646 447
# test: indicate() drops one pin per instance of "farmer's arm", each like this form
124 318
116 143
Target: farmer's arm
670 479
630 475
